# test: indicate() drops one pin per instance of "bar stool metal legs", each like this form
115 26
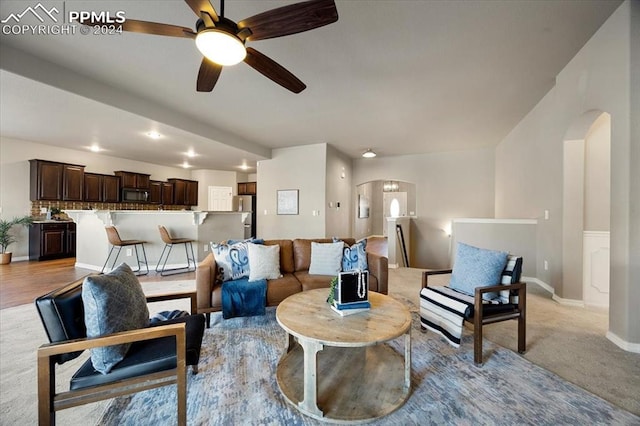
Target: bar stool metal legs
117 242
169 242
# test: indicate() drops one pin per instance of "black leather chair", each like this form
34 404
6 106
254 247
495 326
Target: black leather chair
158 356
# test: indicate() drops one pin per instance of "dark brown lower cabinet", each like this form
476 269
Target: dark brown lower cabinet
52 240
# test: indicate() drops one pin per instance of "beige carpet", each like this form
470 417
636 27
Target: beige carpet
568 341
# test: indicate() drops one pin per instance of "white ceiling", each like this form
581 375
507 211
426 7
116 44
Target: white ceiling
401 77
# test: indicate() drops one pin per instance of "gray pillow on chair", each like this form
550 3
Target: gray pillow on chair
113 302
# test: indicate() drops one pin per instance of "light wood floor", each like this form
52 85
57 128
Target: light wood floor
22 282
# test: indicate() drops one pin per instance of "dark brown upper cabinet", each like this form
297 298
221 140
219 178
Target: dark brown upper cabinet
133 180
55 181
155 192
101 188
247 188
93 187
110 189
185 192
167 193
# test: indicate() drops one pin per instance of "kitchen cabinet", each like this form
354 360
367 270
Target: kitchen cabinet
93 187
53 181
167 193
51 240
247 188
101 188
185 192
110 189
155 192
72 182
133 180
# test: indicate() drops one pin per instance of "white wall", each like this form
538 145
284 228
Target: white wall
597 175
302 168
339 189
207 178
448 185
529 163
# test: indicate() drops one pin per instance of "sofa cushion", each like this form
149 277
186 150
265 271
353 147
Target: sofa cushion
233 259
281 288
311 282
113 302
326 258
286 254
264 262
476 267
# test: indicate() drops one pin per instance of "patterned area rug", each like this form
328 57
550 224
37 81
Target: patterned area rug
236 385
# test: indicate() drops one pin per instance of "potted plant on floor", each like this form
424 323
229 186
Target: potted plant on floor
6 237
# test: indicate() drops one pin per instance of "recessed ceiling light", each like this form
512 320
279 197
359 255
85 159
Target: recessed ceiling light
154 135
244 166
190 153
95 148
369 153
185 165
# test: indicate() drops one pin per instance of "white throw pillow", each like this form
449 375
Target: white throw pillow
326 258
264 262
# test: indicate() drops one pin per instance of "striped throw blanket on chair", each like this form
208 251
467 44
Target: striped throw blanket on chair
443 310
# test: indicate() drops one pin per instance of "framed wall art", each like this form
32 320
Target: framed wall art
287 201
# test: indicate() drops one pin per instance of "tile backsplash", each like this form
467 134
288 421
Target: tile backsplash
80 205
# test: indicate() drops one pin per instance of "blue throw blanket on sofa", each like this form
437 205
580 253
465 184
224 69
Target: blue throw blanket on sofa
241 298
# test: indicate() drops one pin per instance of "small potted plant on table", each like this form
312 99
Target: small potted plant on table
7 238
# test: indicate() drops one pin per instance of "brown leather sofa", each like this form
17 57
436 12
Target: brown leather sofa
295 259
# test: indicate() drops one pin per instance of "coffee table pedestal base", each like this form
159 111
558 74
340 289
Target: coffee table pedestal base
345 384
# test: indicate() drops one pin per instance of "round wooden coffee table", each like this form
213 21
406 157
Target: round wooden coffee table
338 368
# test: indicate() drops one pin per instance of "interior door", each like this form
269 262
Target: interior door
220 198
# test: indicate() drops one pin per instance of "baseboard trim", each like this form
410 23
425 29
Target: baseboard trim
623 344
554 296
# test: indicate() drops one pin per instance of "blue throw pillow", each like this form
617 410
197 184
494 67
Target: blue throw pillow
233 259
354 258
476 267
113 302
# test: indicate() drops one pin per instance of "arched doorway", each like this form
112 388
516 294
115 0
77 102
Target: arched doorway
586 209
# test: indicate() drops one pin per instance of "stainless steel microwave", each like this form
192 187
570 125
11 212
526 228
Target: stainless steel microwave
133 195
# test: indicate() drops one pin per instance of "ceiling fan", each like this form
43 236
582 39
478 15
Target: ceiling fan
222 41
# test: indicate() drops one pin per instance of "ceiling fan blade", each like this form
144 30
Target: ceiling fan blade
203 6
291 19
208 75
157 29
273 71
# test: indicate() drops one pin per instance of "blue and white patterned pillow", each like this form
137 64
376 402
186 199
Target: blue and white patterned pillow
354 258
233 259
477 267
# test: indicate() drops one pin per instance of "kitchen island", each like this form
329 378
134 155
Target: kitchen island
92 246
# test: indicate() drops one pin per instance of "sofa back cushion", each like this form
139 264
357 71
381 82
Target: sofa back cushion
286 254
302 251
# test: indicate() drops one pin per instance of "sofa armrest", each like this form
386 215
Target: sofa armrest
379 267
205 280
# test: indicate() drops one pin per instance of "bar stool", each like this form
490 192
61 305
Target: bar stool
116 241
168 243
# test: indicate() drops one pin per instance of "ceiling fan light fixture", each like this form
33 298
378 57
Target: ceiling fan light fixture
369 153
220 46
